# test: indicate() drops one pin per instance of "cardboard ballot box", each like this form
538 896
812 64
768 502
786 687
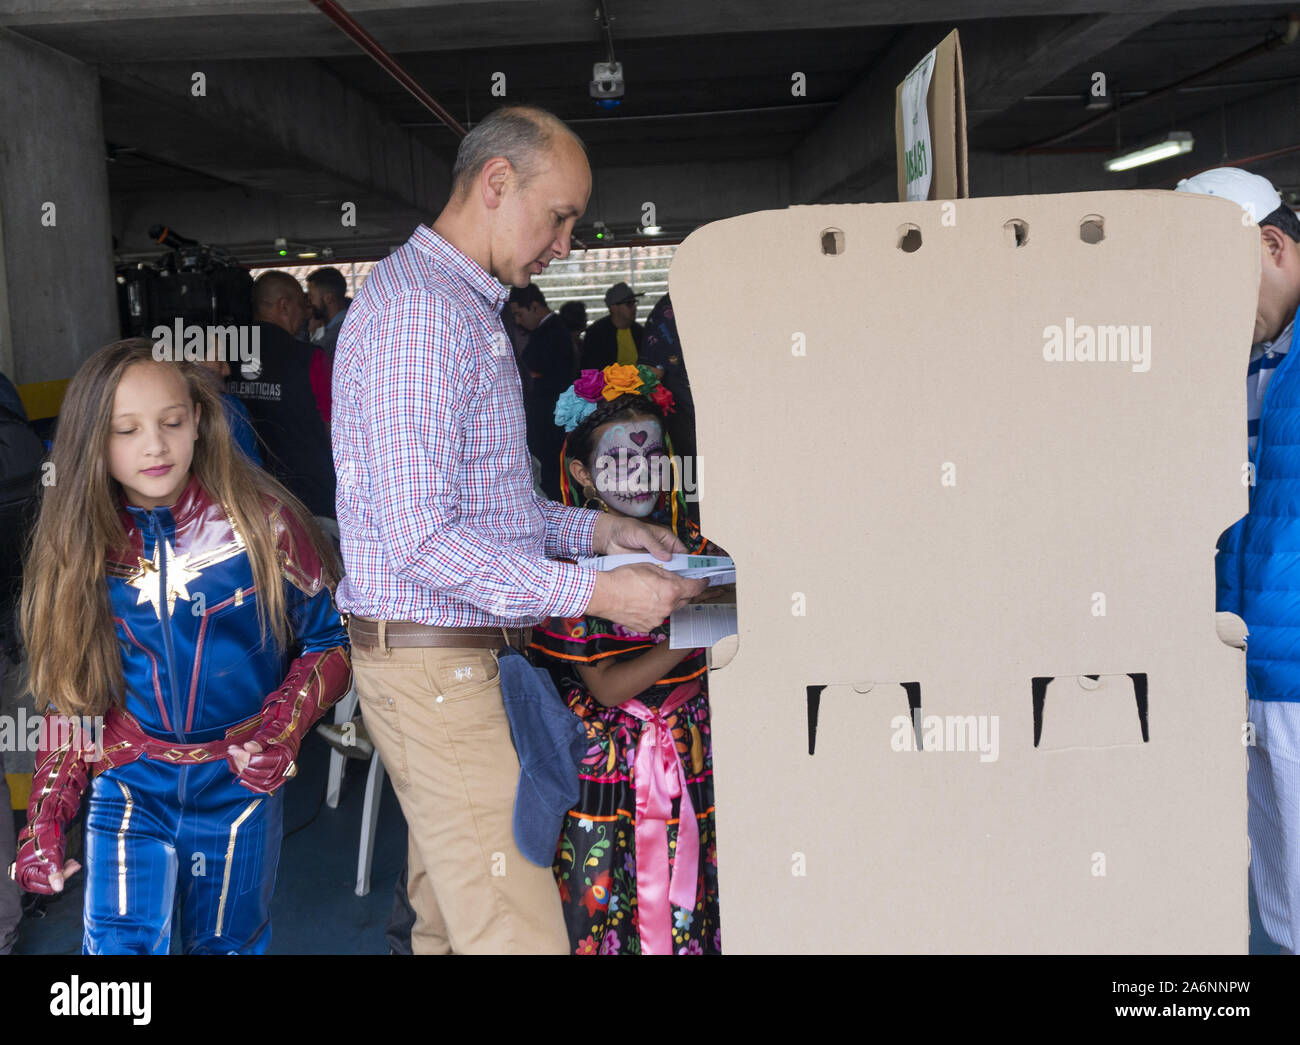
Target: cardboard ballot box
930 126
971 458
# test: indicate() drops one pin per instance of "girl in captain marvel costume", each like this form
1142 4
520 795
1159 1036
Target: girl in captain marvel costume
186 597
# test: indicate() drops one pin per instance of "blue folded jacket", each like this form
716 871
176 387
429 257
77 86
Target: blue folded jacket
550 741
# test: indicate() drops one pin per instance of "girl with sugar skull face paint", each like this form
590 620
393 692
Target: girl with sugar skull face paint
637 873
629 465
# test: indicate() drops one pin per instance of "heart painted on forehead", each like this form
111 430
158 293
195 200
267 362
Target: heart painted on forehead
638 437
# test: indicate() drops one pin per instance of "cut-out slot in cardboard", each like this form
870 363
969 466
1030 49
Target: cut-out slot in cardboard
1017 232
909 238
832 241
912 691
1092 228
1090 711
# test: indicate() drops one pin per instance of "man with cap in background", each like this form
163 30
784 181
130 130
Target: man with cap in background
617 337
1255 565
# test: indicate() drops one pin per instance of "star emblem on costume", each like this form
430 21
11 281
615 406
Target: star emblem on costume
149 578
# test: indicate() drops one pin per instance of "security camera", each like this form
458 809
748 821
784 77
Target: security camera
606 81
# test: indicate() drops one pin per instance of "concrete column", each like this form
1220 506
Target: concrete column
58 300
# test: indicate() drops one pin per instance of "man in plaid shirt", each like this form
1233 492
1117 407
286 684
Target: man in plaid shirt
445 543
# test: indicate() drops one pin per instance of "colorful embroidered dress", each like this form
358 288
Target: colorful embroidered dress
642 758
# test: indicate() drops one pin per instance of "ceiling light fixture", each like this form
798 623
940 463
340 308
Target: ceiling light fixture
1175 144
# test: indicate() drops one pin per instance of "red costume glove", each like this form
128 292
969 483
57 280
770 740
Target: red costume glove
314 684
57 786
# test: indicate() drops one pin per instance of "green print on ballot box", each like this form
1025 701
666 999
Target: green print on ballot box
916 128
914 161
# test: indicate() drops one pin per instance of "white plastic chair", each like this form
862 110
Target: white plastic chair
344 710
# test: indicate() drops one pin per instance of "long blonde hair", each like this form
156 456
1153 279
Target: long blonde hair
73 659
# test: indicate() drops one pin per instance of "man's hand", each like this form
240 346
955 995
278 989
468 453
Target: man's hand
639 596
720 593
619 535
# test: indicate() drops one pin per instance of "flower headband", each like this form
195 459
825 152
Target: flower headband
579 400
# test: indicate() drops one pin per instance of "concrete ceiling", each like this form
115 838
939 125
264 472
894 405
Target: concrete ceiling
108 30
296 115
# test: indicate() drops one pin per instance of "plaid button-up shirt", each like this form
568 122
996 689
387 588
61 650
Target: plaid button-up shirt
436 509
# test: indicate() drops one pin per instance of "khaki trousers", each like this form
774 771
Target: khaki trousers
438 721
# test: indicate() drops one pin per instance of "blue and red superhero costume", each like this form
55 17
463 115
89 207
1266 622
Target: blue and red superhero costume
170 824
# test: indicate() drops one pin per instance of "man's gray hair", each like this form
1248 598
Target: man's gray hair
521 133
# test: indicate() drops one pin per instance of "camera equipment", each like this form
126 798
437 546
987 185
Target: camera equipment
606 86
193 282
607 82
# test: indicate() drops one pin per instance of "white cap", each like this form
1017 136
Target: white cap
1253 194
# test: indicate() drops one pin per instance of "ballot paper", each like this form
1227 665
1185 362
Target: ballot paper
701 624
717 569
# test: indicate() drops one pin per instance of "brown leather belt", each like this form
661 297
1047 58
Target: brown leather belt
403 634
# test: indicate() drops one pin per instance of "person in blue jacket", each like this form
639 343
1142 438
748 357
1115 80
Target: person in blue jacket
177 601
1258 562
241 425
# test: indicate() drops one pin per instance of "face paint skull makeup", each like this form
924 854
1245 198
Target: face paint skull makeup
628 464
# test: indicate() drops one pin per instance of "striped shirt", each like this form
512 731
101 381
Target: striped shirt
1264 359
437 514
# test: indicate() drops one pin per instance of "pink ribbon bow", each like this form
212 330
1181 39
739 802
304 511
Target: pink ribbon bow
661 777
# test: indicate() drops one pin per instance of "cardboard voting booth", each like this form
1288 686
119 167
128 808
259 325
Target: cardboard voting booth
971 458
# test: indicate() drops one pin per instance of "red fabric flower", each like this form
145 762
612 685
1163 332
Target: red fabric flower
662 398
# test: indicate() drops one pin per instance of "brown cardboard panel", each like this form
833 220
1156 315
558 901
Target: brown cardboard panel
946 111
961 166
886 448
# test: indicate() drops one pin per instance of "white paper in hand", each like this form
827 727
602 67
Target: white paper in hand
718 569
